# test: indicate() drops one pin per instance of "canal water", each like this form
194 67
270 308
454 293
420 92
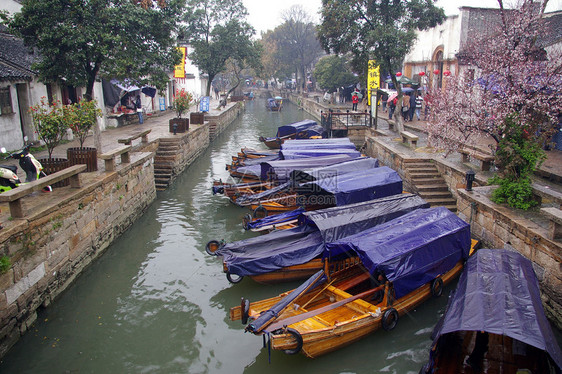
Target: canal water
155 302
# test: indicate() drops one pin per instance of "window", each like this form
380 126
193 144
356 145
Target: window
6 101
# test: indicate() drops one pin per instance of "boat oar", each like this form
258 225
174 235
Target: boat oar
301 317
315 296
271 314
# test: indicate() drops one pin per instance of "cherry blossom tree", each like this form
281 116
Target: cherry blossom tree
509 90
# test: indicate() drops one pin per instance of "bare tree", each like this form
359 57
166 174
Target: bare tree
298 41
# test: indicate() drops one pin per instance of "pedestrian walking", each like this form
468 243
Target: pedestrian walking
405 107
138 106
412 106
384 98
419 104
392 107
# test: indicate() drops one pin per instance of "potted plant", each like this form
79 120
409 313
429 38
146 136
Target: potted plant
81 117
50 125
181 104
197 117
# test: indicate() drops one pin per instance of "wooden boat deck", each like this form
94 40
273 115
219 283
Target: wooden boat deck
502 355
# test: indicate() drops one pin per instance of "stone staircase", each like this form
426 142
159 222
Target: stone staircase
163 162
429 184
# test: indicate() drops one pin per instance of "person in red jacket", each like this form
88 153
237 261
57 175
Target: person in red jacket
355 101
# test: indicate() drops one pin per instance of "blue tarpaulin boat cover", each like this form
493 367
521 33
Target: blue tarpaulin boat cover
498 292
410 250
272 251
259 160
361 163
311 131
298 176
271 193
301 244
259 152
276 219
280 170
342 221
294 128
362 185
318 144
291 154
252 171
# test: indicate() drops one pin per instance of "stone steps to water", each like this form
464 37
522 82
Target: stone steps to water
166 153
429 184
163 160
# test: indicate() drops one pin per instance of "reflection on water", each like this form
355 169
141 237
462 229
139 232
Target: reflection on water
155 302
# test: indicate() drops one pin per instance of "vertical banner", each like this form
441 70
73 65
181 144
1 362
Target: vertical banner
179 70
204 104
373 80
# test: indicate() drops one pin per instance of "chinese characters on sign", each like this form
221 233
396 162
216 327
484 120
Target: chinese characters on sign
179 70
373 79
204 104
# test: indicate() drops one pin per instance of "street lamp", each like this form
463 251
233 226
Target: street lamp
469 179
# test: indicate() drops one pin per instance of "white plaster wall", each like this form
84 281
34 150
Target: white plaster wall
446 34
10 5
10 132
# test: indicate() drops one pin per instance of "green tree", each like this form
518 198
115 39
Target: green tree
383 30
79 40
332 72
216 31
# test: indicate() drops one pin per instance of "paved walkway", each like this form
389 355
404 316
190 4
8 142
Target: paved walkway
552 167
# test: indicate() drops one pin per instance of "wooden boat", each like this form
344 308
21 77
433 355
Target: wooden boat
348 188
245 194
233 191
495 321
275 104
296 253
278 171
299 130
403 262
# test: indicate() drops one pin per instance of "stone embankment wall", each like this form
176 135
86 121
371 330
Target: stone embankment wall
217 123
501 227
62 235
495 225
69 228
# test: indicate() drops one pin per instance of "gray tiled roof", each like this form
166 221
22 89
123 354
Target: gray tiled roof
15 58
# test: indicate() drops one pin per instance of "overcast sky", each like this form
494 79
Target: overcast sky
266 14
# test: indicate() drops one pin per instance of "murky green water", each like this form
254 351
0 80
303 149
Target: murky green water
155 302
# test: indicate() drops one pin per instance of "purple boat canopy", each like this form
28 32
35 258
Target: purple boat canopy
281 169
410 250
291 154
498 292
301 244
333 143
357 186
296 127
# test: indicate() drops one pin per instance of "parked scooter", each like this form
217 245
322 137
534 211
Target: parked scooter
29 164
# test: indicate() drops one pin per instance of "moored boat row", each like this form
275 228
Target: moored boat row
371 254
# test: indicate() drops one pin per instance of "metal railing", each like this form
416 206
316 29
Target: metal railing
341 121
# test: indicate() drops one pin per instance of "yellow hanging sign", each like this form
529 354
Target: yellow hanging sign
373 79
179 70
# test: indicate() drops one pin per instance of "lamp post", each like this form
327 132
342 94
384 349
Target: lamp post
469 179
